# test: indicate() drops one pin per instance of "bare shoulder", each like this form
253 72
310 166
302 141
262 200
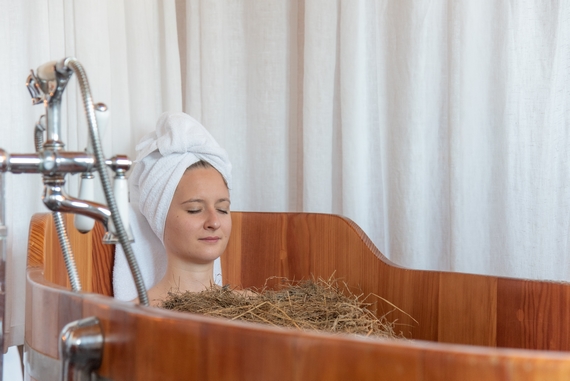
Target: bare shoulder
155 298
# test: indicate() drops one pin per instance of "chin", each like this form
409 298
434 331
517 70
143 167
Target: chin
204 259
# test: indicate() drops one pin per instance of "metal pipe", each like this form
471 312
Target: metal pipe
55 198
53 122
47 162
53 79
81 349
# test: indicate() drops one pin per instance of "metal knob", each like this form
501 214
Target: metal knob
81 349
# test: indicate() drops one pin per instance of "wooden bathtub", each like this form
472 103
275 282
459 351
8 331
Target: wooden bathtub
469 327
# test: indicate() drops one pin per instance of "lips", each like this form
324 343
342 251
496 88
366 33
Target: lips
210 239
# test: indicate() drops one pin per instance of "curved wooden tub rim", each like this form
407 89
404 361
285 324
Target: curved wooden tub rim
422 357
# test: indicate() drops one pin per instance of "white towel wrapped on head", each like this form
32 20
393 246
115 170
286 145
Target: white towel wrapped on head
162 158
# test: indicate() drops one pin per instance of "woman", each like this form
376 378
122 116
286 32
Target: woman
180 209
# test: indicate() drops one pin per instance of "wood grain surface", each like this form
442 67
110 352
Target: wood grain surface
449 310
144 343
94 260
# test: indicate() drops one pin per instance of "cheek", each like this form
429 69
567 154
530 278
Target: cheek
173 227
228 227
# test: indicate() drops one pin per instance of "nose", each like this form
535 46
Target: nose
212 221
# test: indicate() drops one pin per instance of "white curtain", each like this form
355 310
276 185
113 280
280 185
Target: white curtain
130 54
440 127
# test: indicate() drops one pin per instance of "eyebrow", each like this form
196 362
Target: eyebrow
202 201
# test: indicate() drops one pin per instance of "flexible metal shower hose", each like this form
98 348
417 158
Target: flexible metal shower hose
101 168
67 253
68 258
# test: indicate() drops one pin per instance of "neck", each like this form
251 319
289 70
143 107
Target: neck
181 276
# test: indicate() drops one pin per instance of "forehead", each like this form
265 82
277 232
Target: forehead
201 182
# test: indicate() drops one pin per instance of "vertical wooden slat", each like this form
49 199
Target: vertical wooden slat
231 259
467 309
103 259
37 239
533 314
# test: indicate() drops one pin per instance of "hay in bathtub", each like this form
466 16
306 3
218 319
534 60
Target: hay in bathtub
315 304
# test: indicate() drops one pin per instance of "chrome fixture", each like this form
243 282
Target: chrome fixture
80 349
82 341
46 85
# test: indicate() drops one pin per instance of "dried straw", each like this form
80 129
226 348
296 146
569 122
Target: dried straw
307 305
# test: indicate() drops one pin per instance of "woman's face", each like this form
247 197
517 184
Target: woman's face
198 223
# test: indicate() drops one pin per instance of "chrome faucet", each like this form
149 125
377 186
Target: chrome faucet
50 160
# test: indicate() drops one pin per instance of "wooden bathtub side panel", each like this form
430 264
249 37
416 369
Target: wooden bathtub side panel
103 257
533 314
144 343
93 259
48 309
467 309
37 239
299 245
449 307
